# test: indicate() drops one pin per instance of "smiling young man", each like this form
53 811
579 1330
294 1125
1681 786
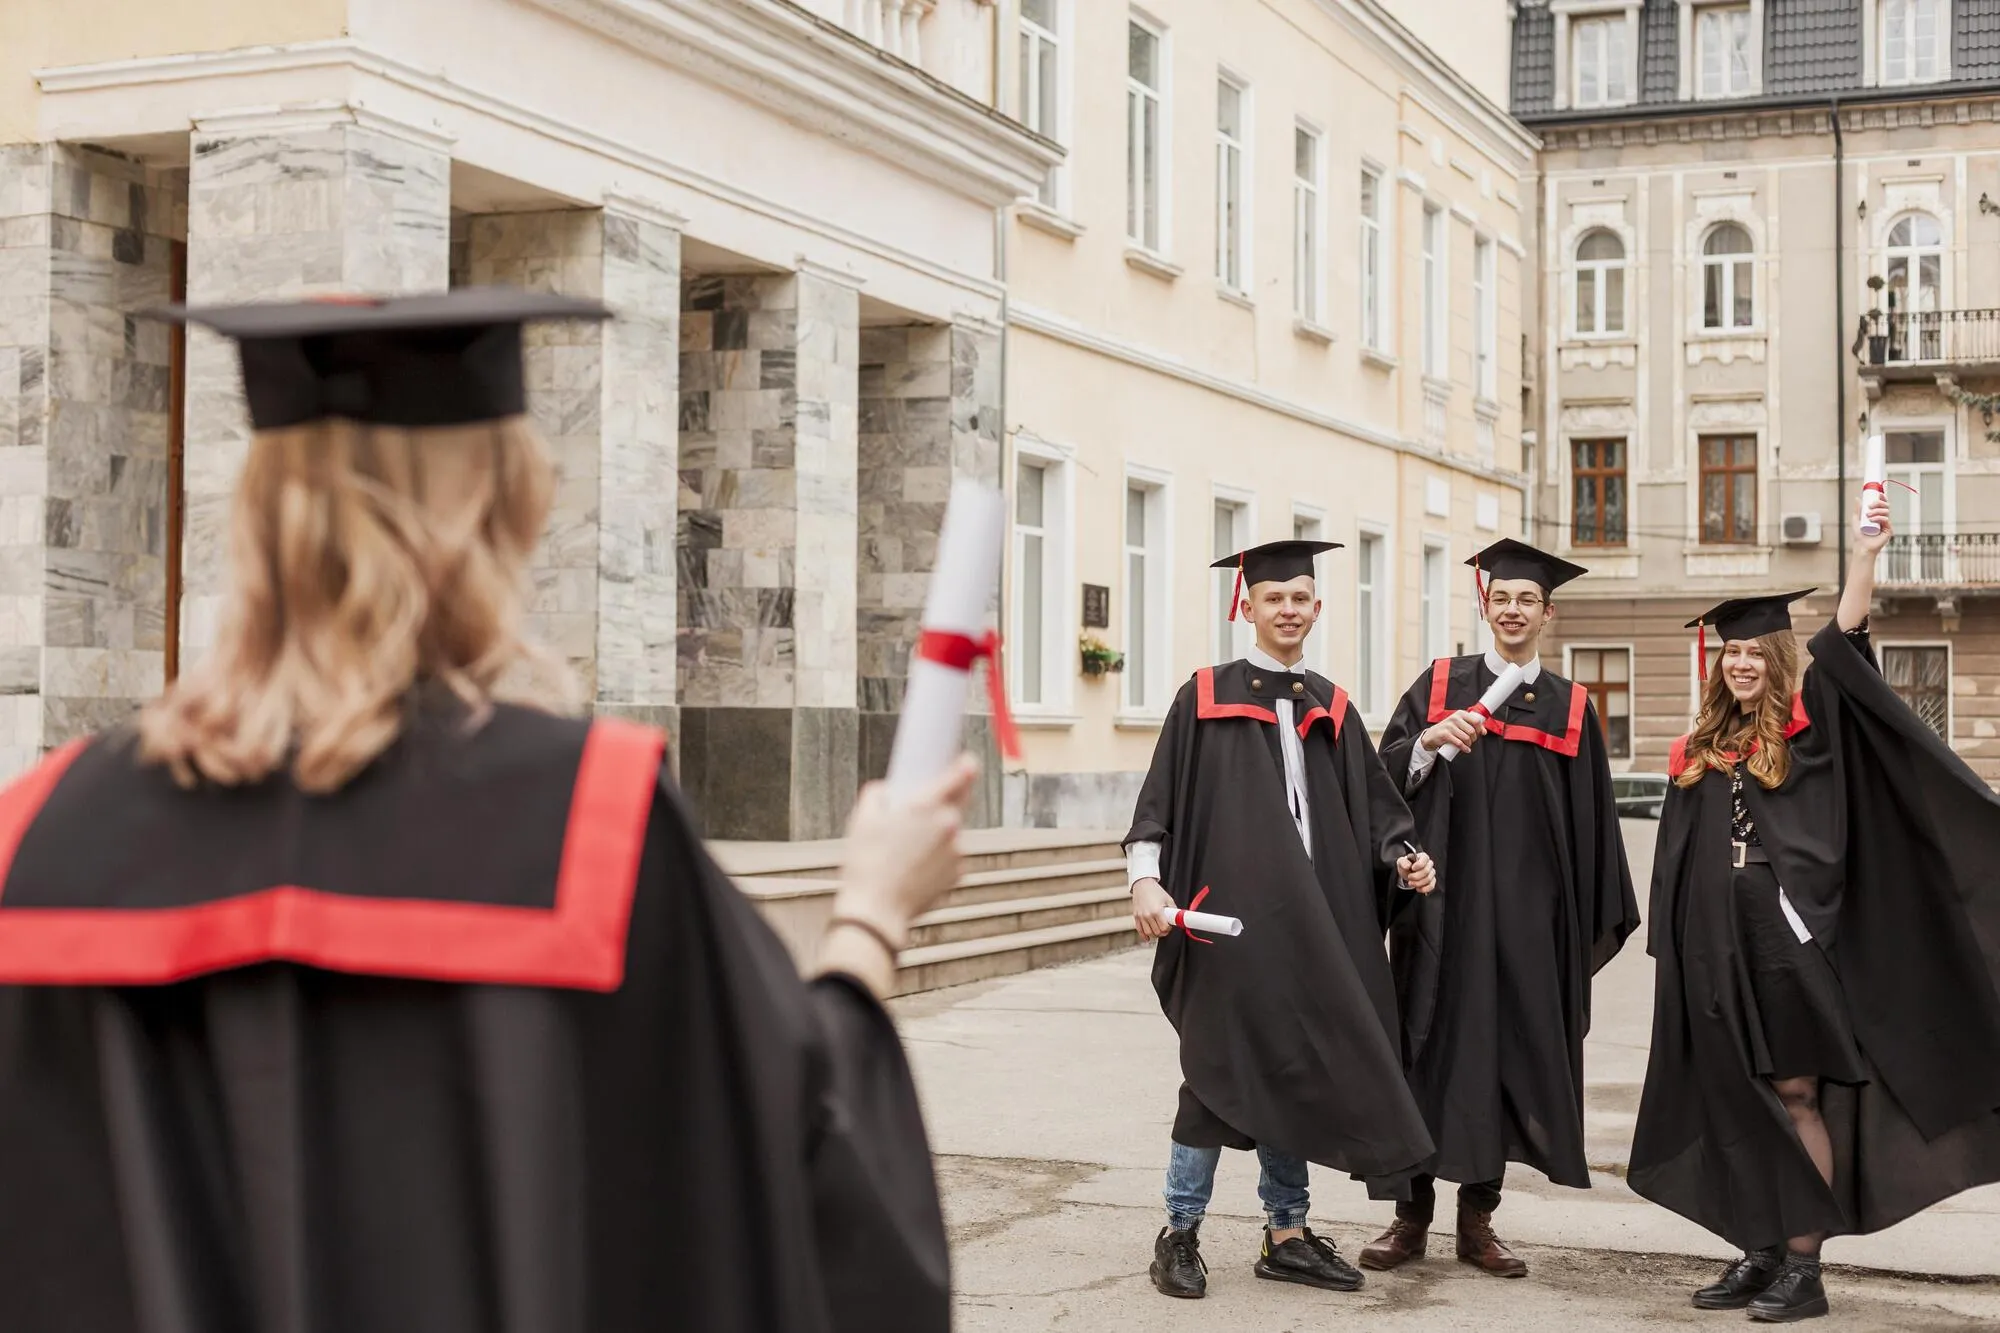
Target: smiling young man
1267 802
1493 973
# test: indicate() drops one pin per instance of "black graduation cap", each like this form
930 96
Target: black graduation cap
1273 562
1745 618
1509 559
439 359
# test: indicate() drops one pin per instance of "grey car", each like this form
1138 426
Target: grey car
1639 795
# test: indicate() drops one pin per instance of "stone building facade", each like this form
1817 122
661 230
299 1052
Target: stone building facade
753 456
1766 229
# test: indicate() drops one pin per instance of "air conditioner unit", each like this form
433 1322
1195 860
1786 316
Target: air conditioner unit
1800 529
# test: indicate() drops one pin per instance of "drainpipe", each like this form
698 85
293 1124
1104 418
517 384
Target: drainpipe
1839 335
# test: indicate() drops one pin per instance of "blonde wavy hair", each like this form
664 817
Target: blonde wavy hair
1718 733
363 561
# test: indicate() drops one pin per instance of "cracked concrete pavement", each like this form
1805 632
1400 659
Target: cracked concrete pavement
1049 1098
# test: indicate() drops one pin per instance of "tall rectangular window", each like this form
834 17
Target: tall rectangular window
1597 511
1231 533
1305 223
1914 33
1031 569
1599 61
1607 674
1369 593
1487 313
1373 327
1231 132
1435 601
1042 89
1312 528
1145 81
1729 489
1722 51
1436 294
1922 677
1145 597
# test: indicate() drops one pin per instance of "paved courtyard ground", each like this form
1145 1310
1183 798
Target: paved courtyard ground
1050 1095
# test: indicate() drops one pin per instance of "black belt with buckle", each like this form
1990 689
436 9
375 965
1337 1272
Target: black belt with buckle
1747 853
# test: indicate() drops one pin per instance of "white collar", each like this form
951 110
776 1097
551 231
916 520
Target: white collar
1498 666
1263 661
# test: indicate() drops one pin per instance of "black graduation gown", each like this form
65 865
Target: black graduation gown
484 1041
1287 1030
1888 847
1493 971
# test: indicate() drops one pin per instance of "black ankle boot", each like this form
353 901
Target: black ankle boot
1178 1268
1796 1293
1742 1280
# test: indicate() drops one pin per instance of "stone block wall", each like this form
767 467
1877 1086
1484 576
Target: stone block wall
87 239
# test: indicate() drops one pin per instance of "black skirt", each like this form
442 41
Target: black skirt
1792 995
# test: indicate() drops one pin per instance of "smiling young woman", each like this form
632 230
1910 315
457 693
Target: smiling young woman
1747 707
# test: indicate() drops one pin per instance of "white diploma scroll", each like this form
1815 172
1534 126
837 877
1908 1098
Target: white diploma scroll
1499 693
1208 921
929 734
1874 477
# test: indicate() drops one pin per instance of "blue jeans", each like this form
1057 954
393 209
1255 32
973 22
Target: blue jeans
1281 1184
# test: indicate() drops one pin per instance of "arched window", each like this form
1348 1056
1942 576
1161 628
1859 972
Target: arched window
1600 284
1727 301
1916 284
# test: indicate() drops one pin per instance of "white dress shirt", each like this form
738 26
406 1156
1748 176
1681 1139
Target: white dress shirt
1421 759
1142 859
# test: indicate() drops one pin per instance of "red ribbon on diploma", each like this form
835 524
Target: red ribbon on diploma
959 652
1180 917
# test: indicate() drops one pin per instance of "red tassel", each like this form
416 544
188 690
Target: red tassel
1701 647
1478 587
1236 594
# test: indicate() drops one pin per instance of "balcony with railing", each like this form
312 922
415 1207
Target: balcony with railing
1920 344
1962 561
896 26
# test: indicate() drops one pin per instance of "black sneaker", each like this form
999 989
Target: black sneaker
1308 1259
1178 1269
1795 1294
1742 1280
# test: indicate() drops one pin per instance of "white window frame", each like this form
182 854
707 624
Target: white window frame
1372 271
1436 295
1055 193
1434 608
1950 678
1375 702
1692 40
1136 93
1152 687
1593 271
1618 71
1239 636
1233 166
1729 264
1876 16
1906 509
1631 651
1913 256
1058 578
1313 518
1309 228
1486 317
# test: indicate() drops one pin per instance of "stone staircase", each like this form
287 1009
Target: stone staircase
1027 898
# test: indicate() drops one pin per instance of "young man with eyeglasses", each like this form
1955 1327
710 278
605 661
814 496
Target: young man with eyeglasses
1493 972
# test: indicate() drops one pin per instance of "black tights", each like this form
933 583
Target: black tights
1801 1099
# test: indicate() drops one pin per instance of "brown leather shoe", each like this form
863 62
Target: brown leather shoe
1402 1242
1478 1246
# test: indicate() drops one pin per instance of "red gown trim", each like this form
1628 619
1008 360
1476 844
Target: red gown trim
1335 715
1677 760
1567 744
579 944
1206 708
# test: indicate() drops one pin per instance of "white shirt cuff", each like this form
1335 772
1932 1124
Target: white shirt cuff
1421 760
1142 861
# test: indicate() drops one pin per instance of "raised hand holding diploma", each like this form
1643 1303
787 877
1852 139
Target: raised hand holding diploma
1497 694
1874 482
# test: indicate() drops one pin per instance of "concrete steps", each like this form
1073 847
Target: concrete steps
1027 898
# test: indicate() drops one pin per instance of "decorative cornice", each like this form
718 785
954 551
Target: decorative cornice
241 122
1051 325
1860 111
826 79
645 210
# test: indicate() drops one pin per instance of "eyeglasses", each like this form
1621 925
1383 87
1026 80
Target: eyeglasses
1499 601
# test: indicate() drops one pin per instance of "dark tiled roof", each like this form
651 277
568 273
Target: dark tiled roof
1975 48
1812 46
1534 78
1659 33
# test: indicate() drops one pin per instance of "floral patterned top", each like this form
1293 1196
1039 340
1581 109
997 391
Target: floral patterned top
1742 828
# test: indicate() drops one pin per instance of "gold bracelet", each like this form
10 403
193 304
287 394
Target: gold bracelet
867 928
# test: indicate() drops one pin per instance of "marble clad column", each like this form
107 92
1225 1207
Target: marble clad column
285 213
930 414
86 238
606 398
768 548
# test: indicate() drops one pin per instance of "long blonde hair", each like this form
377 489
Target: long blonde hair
1717 733
362 560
